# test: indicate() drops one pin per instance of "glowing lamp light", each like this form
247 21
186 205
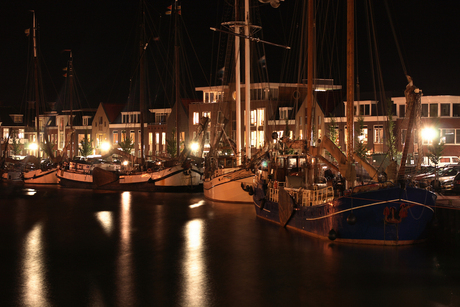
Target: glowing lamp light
33 146
125 163
264 163
105 146
428 134
194 146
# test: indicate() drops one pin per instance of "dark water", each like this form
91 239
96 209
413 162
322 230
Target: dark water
67 247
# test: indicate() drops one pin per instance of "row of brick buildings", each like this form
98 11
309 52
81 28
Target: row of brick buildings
275 107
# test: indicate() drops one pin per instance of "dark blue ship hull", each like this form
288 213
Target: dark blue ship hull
387 216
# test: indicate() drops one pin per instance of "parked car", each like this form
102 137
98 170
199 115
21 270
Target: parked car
445 180
456 184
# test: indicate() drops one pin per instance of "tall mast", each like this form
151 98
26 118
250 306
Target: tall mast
176 69
71 104
350 84
309 73
142 47
247 79
37 91
237 84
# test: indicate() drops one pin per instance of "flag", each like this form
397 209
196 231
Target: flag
64 69
65 75
262 61
220 73
27 32
169 10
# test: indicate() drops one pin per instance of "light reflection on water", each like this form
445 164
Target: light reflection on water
193 266
124 261
106 220
33 269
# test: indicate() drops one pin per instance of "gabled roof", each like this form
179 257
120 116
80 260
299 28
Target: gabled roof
113 110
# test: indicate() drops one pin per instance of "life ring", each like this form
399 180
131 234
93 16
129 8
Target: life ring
149 170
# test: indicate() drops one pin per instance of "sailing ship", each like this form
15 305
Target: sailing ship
382 212
229 182
31 170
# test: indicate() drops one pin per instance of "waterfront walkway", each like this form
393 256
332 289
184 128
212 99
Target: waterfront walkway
450 201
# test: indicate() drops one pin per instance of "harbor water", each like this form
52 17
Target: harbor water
71 247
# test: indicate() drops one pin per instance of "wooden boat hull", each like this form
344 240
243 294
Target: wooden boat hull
389 216
41 177
227 187
172 179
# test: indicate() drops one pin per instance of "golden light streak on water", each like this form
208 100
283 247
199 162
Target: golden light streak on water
193 265
124 262
106 220
195 205
33 272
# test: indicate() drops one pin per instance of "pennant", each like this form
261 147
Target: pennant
27 32
169 10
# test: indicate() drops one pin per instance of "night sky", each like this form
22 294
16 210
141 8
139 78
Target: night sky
101 34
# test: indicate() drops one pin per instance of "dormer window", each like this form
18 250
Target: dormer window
284 112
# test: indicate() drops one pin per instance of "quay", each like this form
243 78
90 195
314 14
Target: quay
447 217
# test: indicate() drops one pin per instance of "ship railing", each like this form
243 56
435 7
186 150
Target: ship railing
317 196
273 193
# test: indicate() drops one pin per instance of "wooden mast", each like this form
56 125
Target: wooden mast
247 79
71 105
237 85
309 73
176 69
37 91
142 80
350 91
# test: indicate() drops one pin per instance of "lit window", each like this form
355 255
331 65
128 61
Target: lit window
378 134
196 118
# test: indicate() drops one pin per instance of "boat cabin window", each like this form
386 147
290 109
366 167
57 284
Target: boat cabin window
280 162
302 161
292 162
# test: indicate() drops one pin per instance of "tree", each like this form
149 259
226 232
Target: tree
86 148
127 145
171 144
15 145
360 148
435 151
391 140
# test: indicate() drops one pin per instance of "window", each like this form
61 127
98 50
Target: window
6 132
115 137
284 113
457 136
378 134
424 110
402 111
260 117
253 117
123 135
403 136
253 138
448 136
456 110
163 138
157 142
206 114
196 118
363 136
445 109
20 133
433 110
364 109
132 136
